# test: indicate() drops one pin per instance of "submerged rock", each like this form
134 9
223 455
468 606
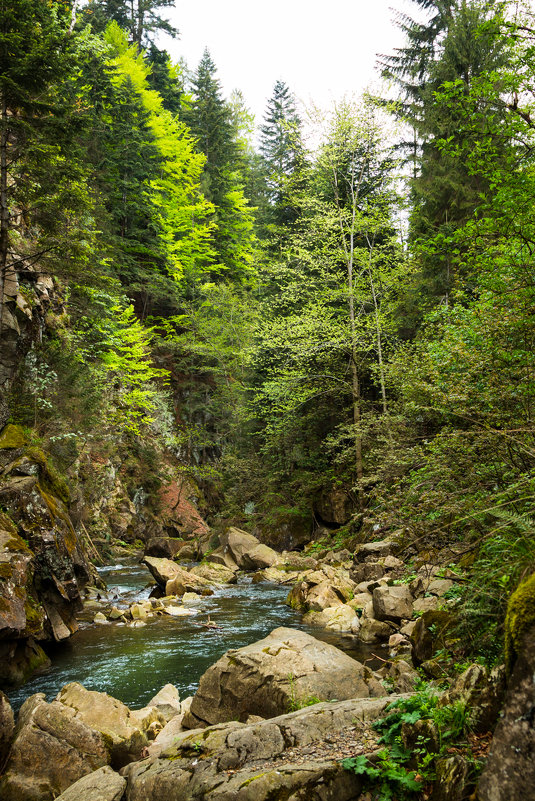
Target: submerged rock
267 677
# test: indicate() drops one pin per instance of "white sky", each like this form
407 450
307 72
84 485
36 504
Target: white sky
321 50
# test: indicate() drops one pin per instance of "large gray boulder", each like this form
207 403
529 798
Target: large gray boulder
269 676
52 750
261 761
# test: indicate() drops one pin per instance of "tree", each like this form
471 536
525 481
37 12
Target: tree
455 42
210 121
141 18
42 178
282 150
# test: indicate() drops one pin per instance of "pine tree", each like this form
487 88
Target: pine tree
141 18
210 121
282 151
456 43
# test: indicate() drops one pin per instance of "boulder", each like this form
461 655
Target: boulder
321 596
188 553
482 691
264 678
293 560
52 750
222 556
260 557
421 605
367 571
336 618
227 761
101 785
163 547
374 550
247 551
184 581
214 573
429 635
372 631
108 716
392 603
7 727
360 600
162 569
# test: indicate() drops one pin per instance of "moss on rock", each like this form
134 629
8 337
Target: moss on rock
519 619
12 436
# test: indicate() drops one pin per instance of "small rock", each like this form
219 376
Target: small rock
100 618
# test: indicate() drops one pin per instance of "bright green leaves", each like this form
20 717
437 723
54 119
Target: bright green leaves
132 376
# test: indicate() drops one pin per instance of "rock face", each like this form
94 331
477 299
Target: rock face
267 677
509 774
52 750
43 565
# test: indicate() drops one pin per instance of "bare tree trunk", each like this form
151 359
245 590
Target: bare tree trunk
4 208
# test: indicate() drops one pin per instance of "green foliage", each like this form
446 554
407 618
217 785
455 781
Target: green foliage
398 772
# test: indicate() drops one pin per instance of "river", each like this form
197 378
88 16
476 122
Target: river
132 664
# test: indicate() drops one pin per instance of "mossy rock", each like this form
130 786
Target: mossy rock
49 476
519 619
12 436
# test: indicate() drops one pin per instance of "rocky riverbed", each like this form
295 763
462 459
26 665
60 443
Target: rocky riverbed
271 718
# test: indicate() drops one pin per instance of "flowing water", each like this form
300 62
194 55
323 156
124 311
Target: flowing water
132 664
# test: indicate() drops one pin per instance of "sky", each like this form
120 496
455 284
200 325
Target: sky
322 50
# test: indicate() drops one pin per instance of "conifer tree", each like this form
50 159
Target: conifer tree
282 151
210 121
141 18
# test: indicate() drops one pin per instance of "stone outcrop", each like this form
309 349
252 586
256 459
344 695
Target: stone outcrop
261 761
101 785
52 750
267 677
43 564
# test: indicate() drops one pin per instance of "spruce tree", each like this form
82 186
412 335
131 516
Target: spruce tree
282 152
210 121
141 18
456 43
41 178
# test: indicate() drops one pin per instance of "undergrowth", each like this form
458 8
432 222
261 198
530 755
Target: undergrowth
407 762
